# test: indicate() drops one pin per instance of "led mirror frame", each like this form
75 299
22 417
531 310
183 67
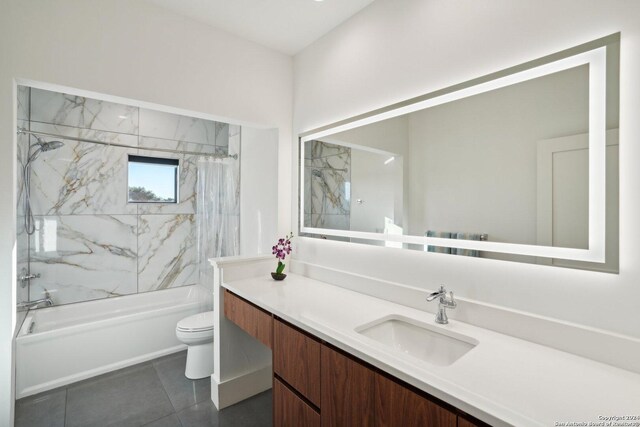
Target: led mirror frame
595 58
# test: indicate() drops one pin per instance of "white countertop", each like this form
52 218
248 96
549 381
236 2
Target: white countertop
502 381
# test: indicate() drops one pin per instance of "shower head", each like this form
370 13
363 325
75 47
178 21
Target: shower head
51 145
42 146
47 145
35 149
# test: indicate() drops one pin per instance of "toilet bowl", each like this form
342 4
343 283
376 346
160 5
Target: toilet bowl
197 333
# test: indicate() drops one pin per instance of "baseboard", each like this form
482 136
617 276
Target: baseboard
237 389
70 379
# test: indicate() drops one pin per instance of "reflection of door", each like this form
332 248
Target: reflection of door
376 188
563 198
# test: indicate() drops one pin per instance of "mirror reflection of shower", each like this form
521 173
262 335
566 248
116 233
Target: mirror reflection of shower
35 149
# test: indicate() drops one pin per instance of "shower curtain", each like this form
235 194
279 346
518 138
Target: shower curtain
218 214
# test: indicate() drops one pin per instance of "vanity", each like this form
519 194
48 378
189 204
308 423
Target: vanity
316 383
332 363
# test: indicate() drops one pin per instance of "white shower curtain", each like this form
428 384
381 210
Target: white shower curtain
218 213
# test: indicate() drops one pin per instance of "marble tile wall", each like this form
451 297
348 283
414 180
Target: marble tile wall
327 185
90 243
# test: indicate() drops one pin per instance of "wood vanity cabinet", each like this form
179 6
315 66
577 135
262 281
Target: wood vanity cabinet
316 385
462 422
347 391
355 395
296 359
397 405
350 392
291 411
253 320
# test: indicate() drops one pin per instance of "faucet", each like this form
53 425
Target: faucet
27 305
443 304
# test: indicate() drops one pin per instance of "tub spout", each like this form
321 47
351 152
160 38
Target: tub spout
27 305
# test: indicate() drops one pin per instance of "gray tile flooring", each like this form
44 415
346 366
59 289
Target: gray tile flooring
152 394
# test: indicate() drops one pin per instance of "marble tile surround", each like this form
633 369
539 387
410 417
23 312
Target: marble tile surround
85 113
159 124
90 243
82 178
84 257
327 176
167 251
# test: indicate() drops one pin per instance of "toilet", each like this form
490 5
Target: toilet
197 333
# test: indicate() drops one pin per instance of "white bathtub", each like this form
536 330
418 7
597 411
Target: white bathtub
60 345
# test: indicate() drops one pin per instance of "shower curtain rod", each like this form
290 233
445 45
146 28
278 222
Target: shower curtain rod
115 144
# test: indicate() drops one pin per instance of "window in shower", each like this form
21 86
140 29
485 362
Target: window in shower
153 180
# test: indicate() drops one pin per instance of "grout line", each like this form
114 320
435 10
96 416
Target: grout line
75 126
66 400
166 393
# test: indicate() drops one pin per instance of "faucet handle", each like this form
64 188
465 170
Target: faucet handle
452 302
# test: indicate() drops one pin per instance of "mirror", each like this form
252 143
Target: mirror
519 165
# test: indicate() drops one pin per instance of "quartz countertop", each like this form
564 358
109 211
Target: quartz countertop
502 381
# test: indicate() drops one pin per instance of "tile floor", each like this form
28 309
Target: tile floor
152 394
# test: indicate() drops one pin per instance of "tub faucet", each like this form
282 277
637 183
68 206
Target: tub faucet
27 305
443 304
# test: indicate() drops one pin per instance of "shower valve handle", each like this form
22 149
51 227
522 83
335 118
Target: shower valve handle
24 278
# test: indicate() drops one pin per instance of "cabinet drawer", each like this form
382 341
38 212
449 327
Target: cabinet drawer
253 320
291 411
296 359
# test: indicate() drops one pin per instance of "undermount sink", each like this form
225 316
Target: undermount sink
428 343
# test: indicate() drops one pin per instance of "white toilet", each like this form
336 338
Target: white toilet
197 333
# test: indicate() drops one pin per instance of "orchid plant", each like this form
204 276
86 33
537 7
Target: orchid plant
281 250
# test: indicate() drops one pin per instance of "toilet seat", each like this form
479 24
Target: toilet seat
197 323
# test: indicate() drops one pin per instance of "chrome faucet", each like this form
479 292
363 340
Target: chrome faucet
443 304
47 301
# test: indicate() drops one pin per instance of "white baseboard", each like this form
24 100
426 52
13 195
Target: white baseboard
237 389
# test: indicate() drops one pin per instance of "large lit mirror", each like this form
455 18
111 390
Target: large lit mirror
519 165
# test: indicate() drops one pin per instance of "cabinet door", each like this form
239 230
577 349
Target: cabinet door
398 406
296 359
347 391
291 411
463 422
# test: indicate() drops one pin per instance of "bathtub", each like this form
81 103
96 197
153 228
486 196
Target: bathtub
60 345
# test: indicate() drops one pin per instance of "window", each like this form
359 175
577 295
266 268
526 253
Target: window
153 180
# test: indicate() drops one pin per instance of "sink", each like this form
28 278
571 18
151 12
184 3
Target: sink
429 343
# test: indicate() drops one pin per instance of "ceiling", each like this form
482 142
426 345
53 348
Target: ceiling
284 25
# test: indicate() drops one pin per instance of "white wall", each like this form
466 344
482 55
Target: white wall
133 50
258 191
397 49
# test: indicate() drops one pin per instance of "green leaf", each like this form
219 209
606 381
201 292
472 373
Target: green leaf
280 268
